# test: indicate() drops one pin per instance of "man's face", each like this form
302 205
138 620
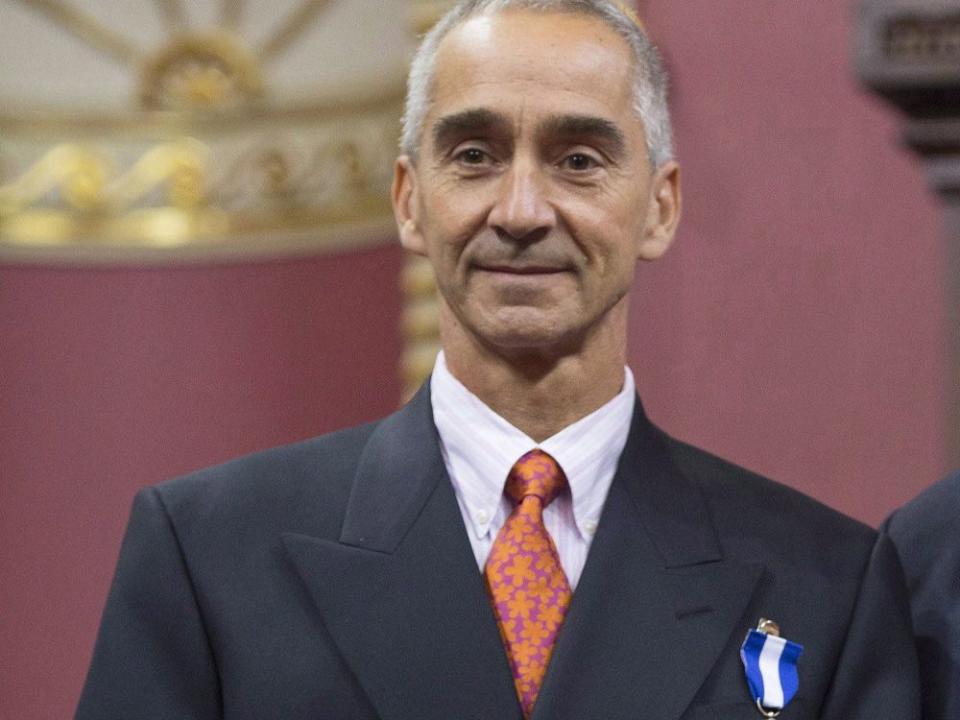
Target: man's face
532 194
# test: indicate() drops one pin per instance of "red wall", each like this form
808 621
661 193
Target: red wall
115 379
797 327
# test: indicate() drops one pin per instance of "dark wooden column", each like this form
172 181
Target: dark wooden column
908 51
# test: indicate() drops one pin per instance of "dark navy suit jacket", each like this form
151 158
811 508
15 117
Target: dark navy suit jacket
926 533
333 579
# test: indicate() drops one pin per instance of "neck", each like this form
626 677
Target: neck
539 391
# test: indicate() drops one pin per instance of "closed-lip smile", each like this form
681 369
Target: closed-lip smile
522 270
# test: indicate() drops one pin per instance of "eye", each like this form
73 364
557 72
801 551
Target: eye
472 156
579 162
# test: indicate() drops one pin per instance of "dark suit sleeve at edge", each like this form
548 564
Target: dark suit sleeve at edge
877 676
152 658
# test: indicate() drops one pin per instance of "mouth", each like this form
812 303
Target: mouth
522 270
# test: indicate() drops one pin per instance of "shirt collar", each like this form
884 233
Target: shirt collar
479 447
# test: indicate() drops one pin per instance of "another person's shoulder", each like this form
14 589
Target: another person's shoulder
926 533
932 513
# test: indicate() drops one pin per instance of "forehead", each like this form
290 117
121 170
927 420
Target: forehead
530 63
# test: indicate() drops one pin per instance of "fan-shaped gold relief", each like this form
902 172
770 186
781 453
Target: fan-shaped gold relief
223 142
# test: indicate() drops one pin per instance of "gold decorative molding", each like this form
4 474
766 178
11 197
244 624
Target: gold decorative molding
200 192
209 162
45 124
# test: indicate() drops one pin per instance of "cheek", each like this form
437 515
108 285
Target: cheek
451 219
608 235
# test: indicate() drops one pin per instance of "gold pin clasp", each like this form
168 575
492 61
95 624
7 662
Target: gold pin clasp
769 627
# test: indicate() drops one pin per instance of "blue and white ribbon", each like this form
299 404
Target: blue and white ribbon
770 663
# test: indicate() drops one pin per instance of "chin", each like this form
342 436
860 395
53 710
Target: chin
529 335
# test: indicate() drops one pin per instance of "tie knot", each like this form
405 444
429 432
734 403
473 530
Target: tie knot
536 473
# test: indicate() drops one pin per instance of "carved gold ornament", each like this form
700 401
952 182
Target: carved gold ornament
207 156
198 72
210 156
256 190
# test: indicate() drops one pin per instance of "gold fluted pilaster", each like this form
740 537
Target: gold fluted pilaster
421 329
420 323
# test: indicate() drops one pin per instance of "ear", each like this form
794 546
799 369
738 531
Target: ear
406 209
663 212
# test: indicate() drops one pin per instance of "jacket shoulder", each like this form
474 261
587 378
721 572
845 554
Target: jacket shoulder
312 476
785 522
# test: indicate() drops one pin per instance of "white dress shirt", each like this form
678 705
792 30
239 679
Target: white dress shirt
479 447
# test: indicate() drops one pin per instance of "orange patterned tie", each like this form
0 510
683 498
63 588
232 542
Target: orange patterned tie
529 591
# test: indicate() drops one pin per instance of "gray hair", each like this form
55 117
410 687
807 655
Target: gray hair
650 78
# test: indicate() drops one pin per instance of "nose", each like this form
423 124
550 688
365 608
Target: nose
522 211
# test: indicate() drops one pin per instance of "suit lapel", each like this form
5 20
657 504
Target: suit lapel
400 592
401 595
657 601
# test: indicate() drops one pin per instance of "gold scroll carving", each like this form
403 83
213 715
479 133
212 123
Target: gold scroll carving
207 161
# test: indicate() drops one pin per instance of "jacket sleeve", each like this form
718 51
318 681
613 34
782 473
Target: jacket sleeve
877 676
926 533
152 657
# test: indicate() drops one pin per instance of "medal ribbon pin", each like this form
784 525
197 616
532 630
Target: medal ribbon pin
770 664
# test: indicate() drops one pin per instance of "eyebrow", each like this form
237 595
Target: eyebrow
478 120
586 126
466 122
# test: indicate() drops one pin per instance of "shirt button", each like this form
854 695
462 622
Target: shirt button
482 517
590 526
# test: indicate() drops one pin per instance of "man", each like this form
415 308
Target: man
519 541
926 533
